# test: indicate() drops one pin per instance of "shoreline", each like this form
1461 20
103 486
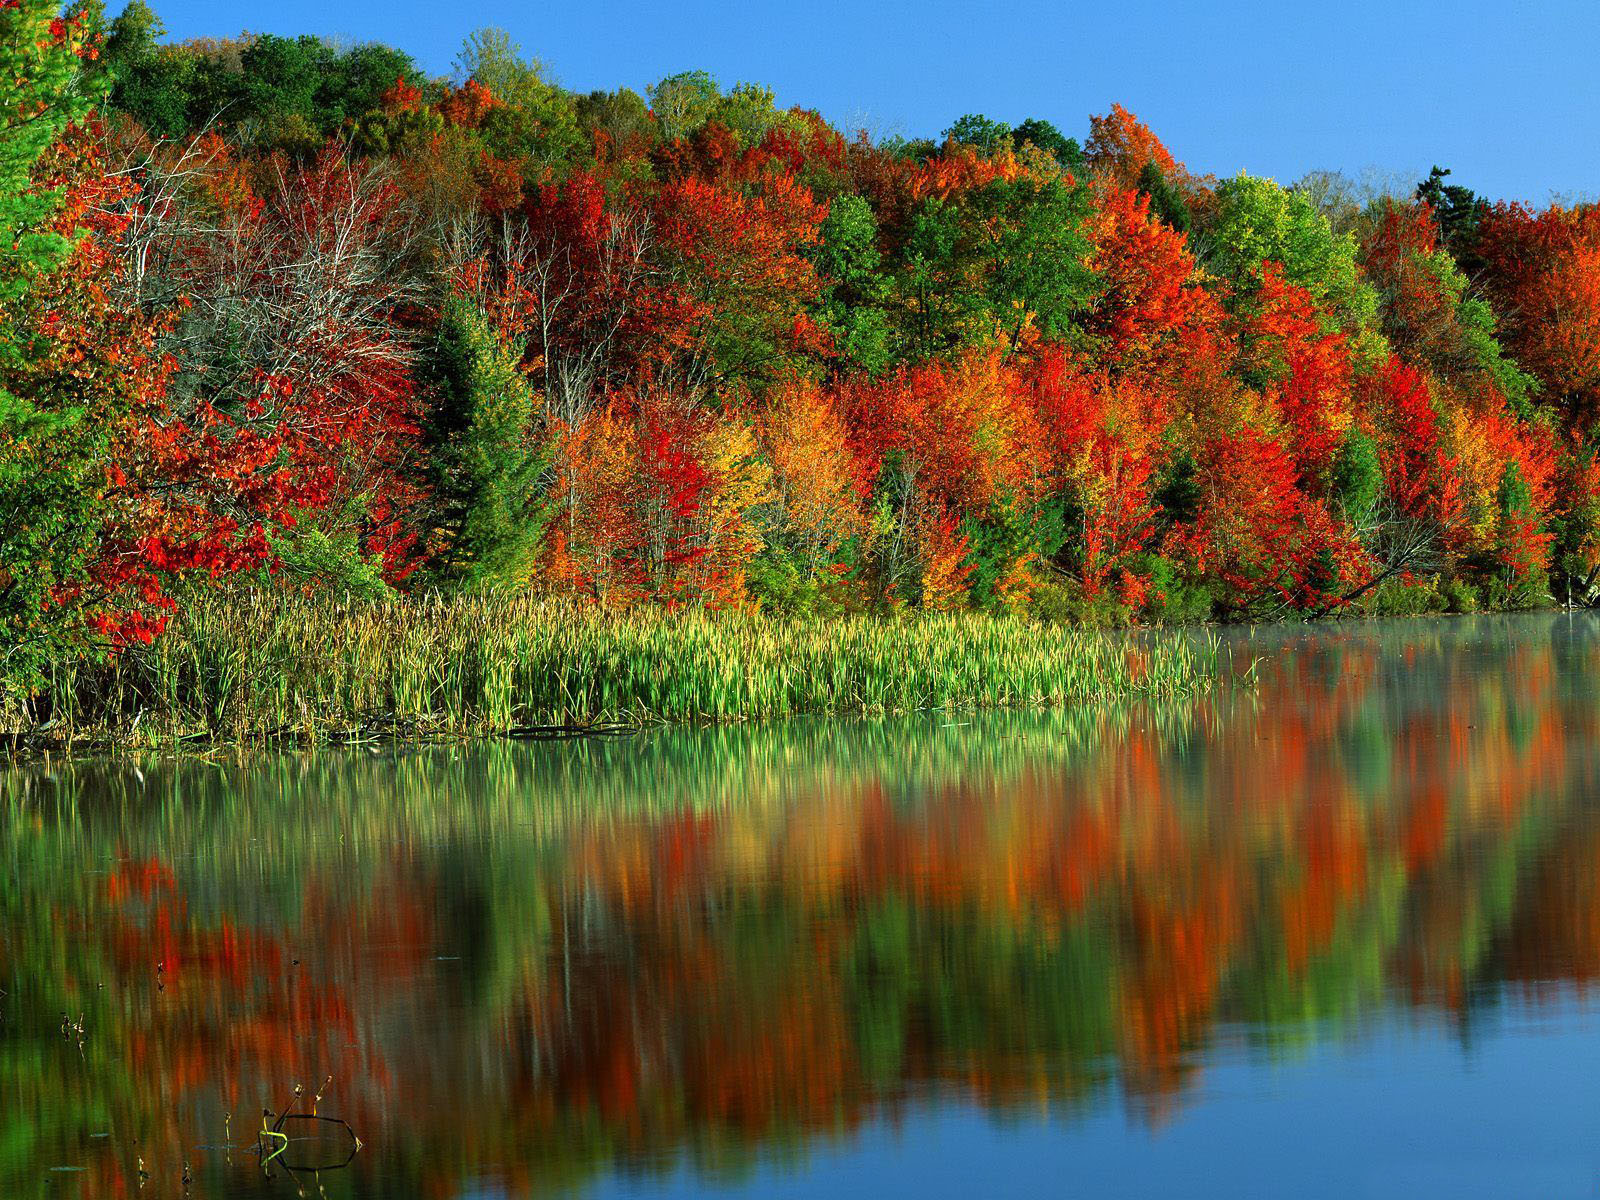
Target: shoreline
231 677
269 669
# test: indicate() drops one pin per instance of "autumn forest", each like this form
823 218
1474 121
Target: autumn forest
280 315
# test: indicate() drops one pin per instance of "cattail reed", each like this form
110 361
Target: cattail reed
263 666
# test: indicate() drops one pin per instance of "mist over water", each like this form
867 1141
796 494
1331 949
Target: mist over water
1336 935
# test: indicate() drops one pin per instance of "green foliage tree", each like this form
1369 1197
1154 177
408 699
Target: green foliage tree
1178 493
281 76
290 93
490 57
536 120
50 481
155 85
172 90
996 263
39 97
1522 579
1575 530
682 103
981 133
917 150
685 103
302 90
1259 222
485 457
1036 132
851 264
1038 250
622 115
749 110
1515 498
1007 533
359 78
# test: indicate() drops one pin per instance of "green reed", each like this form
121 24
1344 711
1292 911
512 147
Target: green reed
259 666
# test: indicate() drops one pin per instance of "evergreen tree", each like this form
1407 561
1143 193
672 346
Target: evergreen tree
1047 137
1458 209
1357 476
486 459
1165 201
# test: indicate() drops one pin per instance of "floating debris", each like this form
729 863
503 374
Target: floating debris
308 1132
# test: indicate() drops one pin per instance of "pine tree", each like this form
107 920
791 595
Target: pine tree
487 460
1166 202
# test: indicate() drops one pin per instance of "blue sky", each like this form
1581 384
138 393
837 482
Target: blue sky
1504 93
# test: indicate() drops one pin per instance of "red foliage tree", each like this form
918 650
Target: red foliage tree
1305 367
741 255
1543 275
1270 544
1149 294
1419 478
1121 146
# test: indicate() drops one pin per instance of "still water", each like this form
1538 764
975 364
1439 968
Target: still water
1335 936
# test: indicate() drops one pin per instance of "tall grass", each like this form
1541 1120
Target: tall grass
267 665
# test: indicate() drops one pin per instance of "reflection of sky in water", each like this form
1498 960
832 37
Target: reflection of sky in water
1403 1110
1336 937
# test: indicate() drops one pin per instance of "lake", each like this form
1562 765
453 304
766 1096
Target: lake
1336 935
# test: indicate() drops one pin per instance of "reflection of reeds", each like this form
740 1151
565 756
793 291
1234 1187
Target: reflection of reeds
229 800
323 669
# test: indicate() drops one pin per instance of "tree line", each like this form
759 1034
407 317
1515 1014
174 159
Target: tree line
278 313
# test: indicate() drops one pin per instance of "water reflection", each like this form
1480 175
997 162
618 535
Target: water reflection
527 968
